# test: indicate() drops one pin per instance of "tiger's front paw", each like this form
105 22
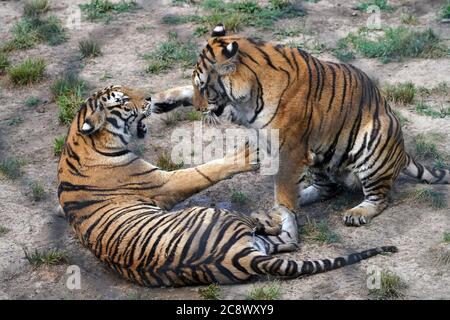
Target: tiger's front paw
248 157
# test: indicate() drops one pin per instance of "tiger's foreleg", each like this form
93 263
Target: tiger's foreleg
180 184
292 163
170 99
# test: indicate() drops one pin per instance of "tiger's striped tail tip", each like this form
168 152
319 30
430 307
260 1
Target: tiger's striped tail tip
386 249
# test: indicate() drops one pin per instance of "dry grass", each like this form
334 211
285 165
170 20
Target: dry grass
211 292
165 162
392 287
50 257
318 232
31 70
270 291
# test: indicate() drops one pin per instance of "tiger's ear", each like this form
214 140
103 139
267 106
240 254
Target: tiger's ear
94 121
218 31
229 66
230 50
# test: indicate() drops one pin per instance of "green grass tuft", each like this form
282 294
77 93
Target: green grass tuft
434 199
97 10
11 167
235 14
45 257
392 287
311 45
395 43
286 32
194 116
343 52
25 36
68 106
66 84
238 197
31 70
446 237
34 8
400 92
68 93
173 19
32 102
3 230
445 11
318 231
171 52
58 145
200 31
165 162
14 121
89 48
27 32
426 148
211 292
172 118
382 4
51 31
181 2
265 292
426 110
37 191
409 19
4 62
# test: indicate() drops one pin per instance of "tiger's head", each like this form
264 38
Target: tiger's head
211 78
113 111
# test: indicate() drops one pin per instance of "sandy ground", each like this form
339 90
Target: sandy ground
414 227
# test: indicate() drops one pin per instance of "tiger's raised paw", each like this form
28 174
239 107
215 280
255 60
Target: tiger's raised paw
247 157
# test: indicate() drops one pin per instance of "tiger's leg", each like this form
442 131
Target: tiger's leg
180 184
292 163
369 208
321 189
376 185
170 99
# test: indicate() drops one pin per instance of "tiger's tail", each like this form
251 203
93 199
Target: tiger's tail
269 265
423 174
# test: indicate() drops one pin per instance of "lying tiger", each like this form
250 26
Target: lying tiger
117 204
331 118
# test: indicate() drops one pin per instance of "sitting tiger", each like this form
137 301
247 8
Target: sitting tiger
332 120
117 205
